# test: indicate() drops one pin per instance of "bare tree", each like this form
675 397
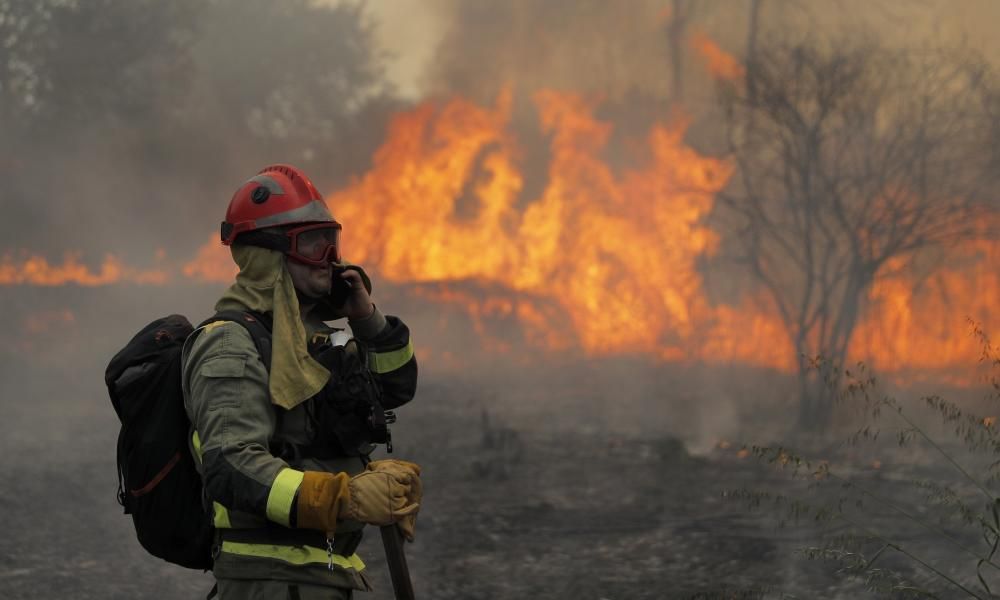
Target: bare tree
676 30
753 29
850 156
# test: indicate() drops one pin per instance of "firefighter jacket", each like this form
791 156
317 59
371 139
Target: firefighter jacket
252 453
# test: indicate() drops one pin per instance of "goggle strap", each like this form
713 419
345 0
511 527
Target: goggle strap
262 239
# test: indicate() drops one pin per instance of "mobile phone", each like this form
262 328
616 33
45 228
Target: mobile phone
339 289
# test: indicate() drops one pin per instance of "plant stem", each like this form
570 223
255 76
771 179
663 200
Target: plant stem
915 427
910 555
915 519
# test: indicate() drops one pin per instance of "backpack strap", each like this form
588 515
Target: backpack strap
257 325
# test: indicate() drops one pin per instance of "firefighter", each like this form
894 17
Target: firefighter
283 447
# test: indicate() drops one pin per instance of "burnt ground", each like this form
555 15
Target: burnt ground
516 505
595 481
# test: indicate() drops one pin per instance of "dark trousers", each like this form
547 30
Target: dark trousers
252 589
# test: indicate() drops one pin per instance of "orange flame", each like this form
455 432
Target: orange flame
600 259
615 252
36 270
213 263
919 327
719 63
612 253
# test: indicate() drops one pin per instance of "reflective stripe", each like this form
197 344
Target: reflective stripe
221 516
314 211
279 500
383 362
196 442
296 555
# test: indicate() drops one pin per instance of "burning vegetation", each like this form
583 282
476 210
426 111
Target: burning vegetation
610 259
696 196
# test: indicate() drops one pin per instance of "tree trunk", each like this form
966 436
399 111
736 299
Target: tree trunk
817 393
751 52
675 40
815 398
809 401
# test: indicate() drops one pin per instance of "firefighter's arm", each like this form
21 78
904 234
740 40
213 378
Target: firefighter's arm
230 407
390 356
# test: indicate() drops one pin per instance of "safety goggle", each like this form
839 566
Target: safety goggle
316 245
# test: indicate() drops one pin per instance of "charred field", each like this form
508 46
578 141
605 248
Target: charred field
598 480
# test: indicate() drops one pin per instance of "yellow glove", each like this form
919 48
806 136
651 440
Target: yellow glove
392 465
410 472
376 498
379 498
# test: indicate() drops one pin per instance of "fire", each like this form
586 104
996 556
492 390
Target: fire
614 251
719 63
597 260
918 326
750 333
36 270
212 264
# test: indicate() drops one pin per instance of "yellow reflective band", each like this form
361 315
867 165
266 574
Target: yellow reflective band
196 442
279 500
221 518
383 362
295 555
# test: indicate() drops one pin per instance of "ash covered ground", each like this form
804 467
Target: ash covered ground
594 481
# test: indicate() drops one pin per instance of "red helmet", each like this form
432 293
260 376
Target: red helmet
281 195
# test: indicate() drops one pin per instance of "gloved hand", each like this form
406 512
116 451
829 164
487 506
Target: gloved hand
373 497
411 472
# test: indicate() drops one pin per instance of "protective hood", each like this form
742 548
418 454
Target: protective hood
264 285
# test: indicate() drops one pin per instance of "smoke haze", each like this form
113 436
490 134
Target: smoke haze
126 125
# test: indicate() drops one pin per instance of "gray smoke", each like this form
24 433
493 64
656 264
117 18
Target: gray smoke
125 125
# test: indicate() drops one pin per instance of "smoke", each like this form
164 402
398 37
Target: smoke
133 144
647 51
125 125
642 65
587 47
133 149
144 116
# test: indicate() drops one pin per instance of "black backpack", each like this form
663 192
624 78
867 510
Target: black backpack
158 483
